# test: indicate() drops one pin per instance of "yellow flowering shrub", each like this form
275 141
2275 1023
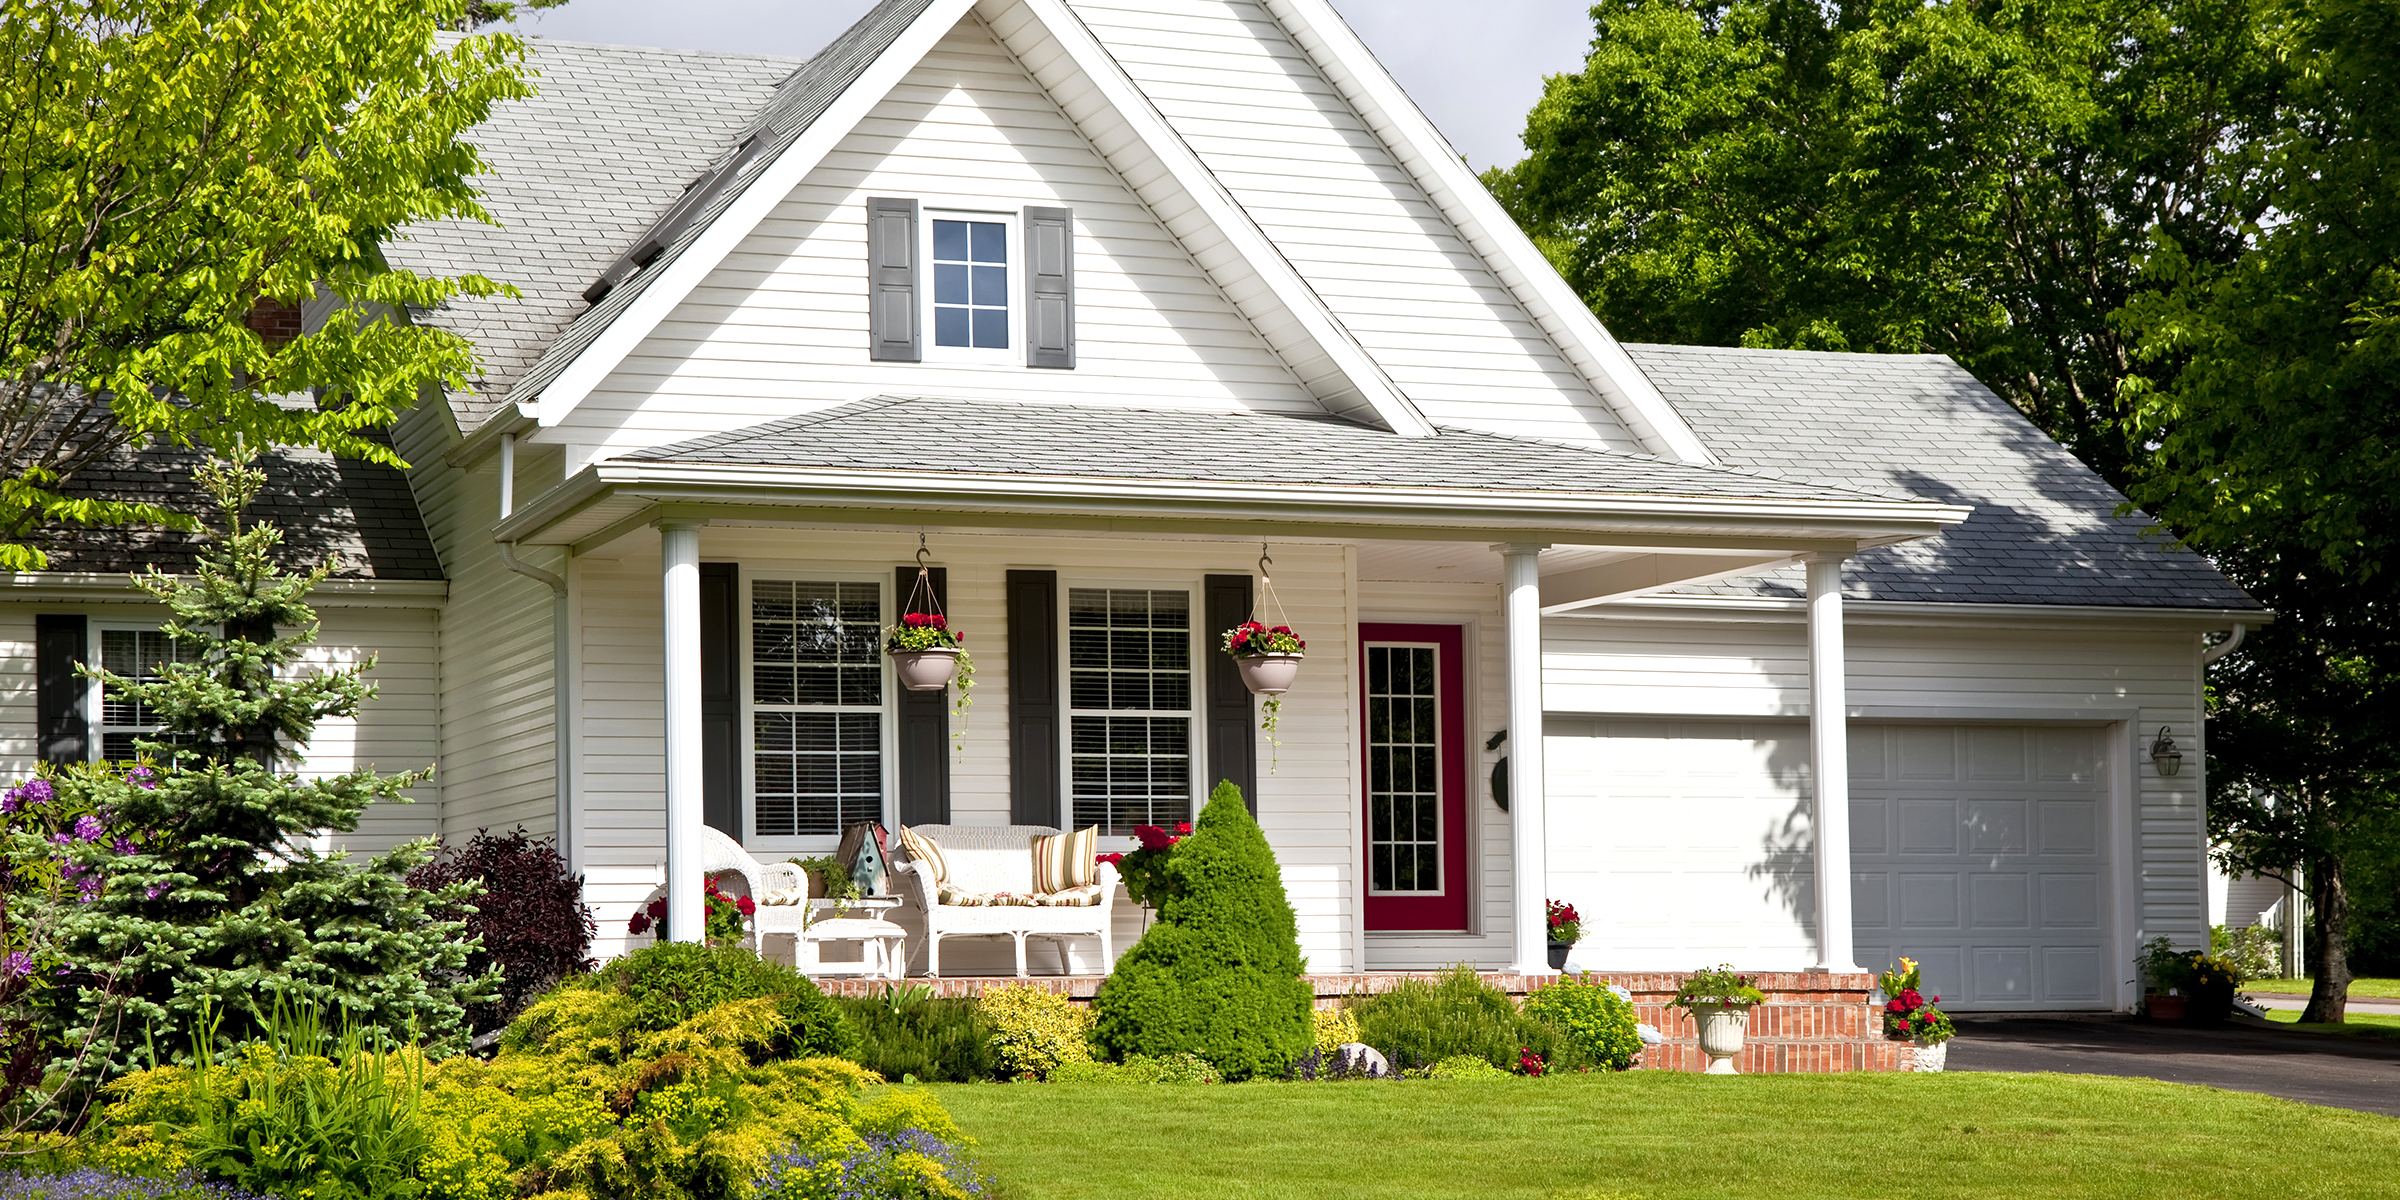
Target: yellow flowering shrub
1335 1026
1037 1030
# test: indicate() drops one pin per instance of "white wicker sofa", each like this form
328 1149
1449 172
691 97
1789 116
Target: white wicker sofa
991 859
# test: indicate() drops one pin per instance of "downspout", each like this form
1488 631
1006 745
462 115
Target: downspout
2210 654
561 729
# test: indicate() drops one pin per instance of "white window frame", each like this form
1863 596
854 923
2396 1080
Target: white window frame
1195 595
886 735
1014 355
1366 737
93 708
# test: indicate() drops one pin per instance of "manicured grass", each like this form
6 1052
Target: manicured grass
2360 989
2366 1025
1661 1136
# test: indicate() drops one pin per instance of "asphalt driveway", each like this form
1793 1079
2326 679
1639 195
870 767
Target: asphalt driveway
2244 1055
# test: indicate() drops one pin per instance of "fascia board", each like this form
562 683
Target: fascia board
485 441
753 205
1923 614
1429 158
1414 507
109 588
1226 215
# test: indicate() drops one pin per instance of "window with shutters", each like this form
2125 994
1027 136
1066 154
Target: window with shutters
817 709
1130 716
971 307
136 653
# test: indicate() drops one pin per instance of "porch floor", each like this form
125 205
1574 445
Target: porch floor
1813 1022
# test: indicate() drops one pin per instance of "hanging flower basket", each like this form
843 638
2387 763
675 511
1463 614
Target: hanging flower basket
927 655
1269 658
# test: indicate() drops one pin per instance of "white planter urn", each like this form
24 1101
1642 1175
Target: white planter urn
1721 1030
925 670
1268 674
1931 1056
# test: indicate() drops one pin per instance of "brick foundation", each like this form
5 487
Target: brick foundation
1812 1022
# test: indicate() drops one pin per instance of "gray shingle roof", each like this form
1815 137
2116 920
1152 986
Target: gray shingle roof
574 175
889 433
2044 530
361 514
646 122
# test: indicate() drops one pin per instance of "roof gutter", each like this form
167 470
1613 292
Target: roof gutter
2211 654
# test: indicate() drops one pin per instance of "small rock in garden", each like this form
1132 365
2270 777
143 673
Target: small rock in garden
1363 1059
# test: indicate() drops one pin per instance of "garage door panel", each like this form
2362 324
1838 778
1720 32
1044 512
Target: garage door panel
2003 974
1996 755
1870 903
2071 974
1869 754
1926 753
1996 826
2070 827
1929 900
2067 755
2000 901
2070 901
1938 969
1869 831
1928 826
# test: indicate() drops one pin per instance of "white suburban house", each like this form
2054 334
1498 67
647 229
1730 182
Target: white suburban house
1100 302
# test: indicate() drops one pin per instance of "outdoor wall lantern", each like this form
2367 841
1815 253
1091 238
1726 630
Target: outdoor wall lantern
2164 755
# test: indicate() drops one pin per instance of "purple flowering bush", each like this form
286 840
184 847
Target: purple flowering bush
908 1165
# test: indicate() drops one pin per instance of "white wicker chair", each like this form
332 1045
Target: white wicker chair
998 858
882 942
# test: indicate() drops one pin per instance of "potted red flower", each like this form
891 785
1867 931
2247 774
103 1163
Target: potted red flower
1907 1014
1566 929
726 915
1144 869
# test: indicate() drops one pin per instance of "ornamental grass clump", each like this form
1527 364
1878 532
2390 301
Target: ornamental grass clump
1458 1014
1219 974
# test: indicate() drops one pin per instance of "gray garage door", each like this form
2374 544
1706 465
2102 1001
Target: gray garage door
1982 852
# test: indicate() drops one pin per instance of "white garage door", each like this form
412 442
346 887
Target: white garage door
1982 852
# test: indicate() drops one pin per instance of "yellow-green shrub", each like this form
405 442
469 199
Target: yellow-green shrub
1334 1027
1037 1030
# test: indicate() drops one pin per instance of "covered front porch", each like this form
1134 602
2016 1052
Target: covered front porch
744 581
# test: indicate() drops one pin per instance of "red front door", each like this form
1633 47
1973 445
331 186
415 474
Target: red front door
1416 776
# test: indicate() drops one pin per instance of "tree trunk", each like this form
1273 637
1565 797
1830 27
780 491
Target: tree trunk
2329 958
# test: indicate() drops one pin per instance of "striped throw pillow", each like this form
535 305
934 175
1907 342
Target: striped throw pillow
1081 897
923 850
1064 860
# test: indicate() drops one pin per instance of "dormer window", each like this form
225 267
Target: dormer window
990 287
971 309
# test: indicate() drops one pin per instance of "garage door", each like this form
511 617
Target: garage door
1982 852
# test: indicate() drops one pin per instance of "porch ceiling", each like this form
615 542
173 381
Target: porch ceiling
1129 470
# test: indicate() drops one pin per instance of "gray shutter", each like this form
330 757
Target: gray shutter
1035 724
62 735
1232 719
1050 287
924 725
721 742
892 271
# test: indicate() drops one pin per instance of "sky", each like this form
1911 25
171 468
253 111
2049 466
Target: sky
1475 68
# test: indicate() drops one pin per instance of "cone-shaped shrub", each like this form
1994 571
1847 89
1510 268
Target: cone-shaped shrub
1219 974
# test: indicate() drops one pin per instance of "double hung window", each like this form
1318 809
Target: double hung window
971 283
134 654
816 705
1129 687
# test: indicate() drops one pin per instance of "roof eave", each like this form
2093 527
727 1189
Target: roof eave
553 518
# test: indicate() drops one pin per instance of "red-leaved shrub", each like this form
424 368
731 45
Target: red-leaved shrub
531 916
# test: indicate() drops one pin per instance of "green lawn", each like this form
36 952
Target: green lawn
2367 1025
1660 1136
2360 989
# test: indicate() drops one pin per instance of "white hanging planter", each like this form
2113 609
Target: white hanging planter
1269 674
928 670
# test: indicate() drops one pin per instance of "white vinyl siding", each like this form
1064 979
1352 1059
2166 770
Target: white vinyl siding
780 327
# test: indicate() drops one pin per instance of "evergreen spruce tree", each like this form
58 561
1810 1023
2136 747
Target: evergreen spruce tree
217 904
1219 974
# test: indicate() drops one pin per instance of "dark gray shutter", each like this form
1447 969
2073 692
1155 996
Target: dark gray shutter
62 734
924 725
1035 722
1232 722
892 270
721 740
1050 287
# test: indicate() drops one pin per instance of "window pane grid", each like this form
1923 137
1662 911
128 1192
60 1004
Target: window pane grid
816 692
970 284
1404 839
1129 686
135 654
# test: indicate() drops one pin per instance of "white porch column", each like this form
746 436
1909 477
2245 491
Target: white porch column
679 562
1521 601
1829 760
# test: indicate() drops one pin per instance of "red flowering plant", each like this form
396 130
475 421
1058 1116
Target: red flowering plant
1906 1011
1144 869
725 916
1566 925
1253 640
931 631
1530 1063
